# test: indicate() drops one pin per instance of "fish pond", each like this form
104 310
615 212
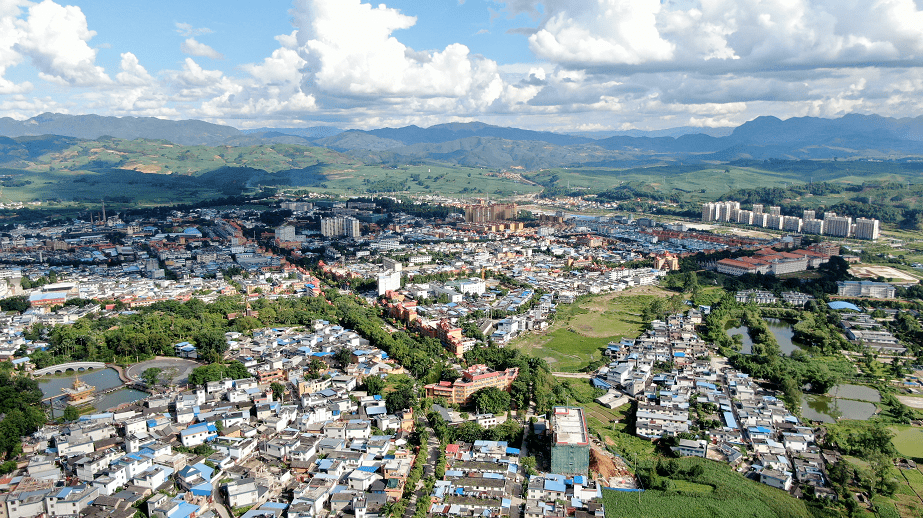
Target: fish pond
844 401
781 330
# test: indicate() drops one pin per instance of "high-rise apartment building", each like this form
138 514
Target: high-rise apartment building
285 233
867 228
339 226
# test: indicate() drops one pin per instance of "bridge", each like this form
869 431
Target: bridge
73 366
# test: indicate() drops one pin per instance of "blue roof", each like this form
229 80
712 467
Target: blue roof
512 451
729 420
203 489
554 485
839 304
184 510
679 355
598 383
368 469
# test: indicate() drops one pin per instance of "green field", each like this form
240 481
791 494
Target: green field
423 179
733 497
581 330
158 172
706 183
908 440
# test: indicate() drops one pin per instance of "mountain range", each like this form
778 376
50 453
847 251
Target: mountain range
483 145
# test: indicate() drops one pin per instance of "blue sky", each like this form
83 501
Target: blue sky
553 64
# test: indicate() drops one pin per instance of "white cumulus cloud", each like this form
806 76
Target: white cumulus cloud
350 50
194 47
55 39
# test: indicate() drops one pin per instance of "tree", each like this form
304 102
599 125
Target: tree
528 464
374 385
400 398
236 371
491 400
278 390
343 356
71 413
150 376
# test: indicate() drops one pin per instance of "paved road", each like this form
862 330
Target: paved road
218 504
182 368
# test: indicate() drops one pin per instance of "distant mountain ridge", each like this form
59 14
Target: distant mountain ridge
484 145
185 132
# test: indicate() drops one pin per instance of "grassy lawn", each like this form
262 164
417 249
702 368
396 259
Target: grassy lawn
908 440
684 486
581 330
733 497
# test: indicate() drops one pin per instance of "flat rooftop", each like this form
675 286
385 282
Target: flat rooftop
569 426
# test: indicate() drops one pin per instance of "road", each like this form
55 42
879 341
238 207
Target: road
581 375
179 367
218 503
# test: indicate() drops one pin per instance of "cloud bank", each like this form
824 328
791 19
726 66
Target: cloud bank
597 64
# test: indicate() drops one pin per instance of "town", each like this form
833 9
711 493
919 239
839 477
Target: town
365 361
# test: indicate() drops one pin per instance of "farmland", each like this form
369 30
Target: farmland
908 441
733 497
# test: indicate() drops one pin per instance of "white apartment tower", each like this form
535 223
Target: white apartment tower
867 229
285 233
837 226
339 226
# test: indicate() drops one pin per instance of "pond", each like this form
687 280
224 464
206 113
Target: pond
843 401
102 379
857 392
828 409
779 329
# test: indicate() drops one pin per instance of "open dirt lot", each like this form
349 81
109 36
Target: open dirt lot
912 402
870 271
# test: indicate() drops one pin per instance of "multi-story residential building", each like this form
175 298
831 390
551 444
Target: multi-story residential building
867 229
838 226
877 290
340 226
389 281
285 233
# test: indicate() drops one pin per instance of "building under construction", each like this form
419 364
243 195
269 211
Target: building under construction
570 444
490 212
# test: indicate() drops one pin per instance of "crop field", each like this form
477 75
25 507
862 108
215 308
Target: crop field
581 330
908 440
732 497
907 498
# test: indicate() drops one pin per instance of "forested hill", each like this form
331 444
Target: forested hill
483 145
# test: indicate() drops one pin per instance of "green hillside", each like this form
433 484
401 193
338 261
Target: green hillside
716 492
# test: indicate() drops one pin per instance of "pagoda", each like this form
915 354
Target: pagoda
79 393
